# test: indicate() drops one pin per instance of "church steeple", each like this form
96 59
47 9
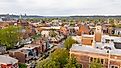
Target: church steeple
20 17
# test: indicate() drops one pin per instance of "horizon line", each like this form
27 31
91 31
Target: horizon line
61 15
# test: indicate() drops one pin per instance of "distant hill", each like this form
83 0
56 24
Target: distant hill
98 16
37 16
17 16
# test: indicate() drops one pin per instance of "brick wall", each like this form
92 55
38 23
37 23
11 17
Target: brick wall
20 56
84 58
98 37
87 41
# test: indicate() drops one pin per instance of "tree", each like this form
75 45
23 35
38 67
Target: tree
49 64
36 36
61 56
111 21
95 65
52 33
59 59
10 36
118 26
22 65
68 42
72 63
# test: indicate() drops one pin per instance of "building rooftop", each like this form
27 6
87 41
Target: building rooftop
86 35
117 29
52 27
30 46
77 38
7 60
91 49
115 39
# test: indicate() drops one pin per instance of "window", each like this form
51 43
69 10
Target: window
112 40
94 60
114 66
98 60
102 61
107 40
91 59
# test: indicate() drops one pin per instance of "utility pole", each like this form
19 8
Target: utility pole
108 58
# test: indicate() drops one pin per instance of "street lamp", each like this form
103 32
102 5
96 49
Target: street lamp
108 51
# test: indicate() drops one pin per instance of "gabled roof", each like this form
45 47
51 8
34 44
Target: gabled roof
84 29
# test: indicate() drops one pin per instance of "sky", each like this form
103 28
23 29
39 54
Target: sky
61 7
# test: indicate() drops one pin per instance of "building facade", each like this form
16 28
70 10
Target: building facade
86 55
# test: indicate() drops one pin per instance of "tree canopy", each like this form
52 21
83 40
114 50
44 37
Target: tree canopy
59 59
10 36
61 56
72 63
22 65
95 65
47 63
68 42
52 33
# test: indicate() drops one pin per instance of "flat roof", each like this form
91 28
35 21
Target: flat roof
77 38
29 46
91 49
116 39
4 59
52 27
86 35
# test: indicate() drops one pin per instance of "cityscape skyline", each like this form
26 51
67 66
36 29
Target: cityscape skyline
61 7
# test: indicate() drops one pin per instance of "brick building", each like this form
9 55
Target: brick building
83 29
86 55
26 53
100 48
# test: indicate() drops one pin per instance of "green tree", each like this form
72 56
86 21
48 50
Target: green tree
41 63
111 21
95 65
72 63
46 63
22 65
118 26
52 33
68 42
10 36
59 59
61 56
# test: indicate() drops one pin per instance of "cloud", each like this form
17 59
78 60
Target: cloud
60 7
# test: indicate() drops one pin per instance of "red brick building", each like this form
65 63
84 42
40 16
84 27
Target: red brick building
86 55
98 47
83 29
